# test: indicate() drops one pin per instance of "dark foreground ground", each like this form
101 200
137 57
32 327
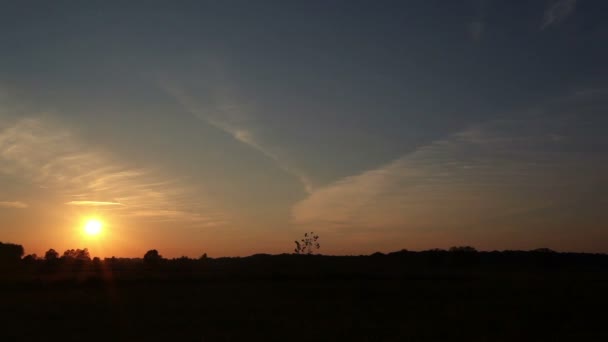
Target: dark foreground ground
399 297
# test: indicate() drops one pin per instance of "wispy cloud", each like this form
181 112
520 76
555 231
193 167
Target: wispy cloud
170 215
13 204
557 12
48 155
93 203
477 23
476 29
232 118
490 173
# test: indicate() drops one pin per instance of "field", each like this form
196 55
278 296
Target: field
400 297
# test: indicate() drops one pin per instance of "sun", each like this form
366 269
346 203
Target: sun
93 227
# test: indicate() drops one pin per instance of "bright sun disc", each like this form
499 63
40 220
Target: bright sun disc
92 227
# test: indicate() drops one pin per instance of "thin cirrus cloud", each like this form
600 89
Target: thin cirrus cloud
49 156
476 29
492 174
94 203
231 119
13 204
557 12
478 24
173 215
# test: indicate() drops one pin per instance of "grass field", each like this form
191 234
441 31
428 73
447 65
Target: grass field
275 298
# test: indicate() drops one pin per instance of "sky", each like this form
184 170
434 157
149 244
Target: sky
233 127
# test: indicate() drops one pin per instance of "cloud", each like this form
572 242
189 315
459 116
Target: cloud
93 203
557 12
47 155
490 174
477 24
232 119
171 215
476 29
13 204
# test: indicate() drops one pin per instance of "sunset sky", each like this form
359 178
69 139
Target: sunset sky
233 127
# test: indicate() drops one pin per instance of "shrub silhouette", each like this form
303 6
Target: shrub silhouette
308 244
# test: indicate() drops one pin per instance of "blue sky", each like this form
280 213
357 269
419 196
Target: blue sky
234 127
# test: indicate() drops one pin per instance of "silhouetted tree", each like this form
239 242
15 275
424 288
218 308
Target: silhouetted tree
463 249
463 256
308 244
402 252
30 258
543 250
77 254
96 262
51 255
10 252
152 257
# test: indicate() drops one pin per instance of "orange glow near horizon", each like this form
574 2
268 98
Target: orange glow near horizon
93 235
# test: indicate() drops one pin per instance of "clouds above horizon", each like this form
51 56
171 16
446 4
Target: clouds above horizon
477 24
13 204
234 118
49 156
93 203
503 173
557 12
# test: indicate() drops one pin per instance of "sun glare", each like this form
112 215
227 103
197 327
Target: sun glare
93 227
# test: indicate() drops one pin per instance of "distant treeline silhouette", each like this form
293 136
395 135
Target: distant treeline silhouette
403 295
396 264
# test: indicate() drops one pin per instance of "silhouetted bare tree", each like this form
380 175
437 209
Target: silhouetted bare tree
308 244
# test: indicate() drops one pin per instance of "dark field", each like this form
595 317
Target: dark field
428 296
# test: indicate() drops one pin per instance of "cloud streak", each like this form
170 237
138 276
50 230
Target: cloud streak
477 25
93 203
476 29
493 174
13 204
557 12
50 156
231 120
